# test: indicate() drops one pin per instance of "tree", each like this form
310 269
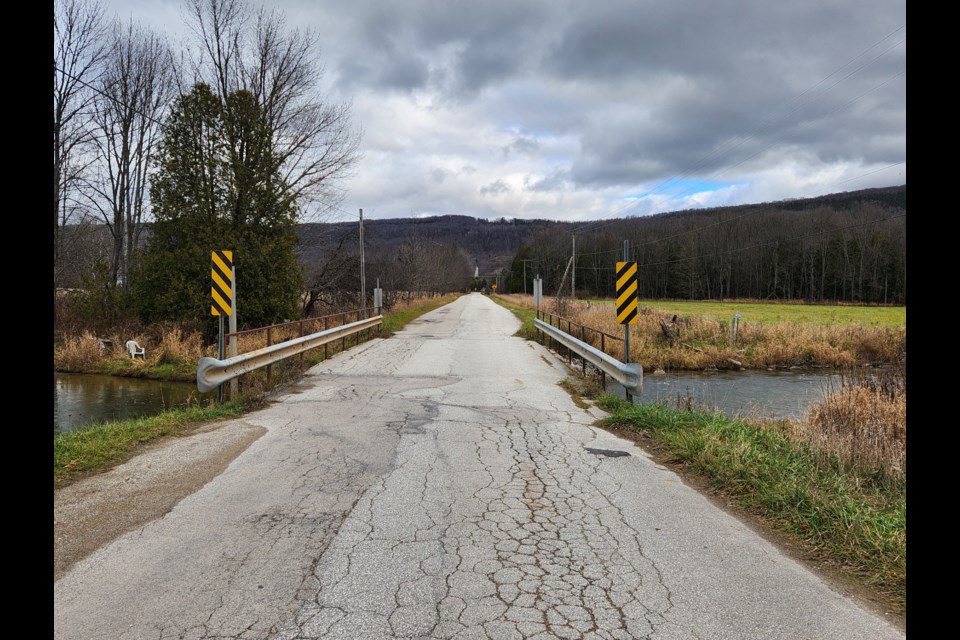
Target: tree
245 50
330 281
78 51
218 185
134 91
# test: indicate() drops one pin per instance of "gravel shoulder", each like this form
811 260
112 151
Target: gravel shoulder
95 510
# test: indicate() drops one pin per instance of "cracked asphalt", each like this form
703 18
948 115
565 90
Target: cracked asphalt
441 484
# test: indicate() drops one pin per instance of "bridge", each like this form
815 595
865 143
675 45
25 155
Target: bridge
441 484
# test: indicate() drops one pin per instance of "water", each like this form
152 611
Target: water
82 399
767 394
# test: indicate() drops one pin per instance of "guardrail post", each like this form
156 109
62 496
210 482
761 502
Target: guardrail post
583 361
301 353
326 321
603 347
269 366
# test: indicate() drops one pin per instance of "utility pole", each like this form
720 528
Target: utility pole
573 280
363 275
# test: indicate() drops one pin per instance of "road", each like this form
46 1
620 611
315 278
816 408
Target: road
441 484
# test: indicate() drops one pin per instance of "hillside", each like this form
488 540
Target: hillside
487 244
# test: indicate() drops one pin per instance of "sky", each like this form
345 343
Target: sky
578 110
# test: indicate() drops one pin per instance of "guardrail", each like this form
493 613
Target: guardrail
211 372
629 375
299 329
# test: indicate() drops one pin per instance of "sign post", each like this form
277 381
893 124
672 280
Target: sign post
221 292
537 294
232 329
627 301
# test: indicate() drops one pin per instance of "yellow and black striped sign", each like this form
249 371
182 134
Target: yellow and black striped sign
627 293
221 271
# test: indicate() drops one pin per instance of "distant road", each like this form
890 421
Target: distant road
440 484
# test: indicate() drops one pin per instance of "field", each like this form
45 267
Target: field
774 312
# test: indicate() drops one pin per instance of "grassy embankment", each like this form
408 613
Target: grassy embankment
102 446
770 335
834 482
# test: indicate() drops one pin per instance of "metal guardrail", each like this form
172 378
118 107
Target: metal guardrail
211 372
629 375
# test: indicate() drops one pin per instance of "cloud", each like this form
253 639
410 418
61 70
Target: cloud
568 110
495 187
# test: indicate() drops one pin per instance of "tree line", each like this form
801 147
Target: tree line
227 144
847 247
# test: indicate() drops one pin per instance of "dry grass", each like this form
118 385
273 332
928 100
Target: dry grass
176 348
169 352
863 424
79 353
704 342
260 338
412 303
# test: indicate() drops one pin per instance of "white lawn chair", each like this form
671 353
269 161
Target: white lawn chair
135 349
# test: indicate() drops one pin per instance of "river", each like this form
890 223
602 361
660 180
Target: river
80 399
83 399
767 394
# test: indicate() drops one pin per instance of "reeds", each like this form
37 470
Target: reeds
167 348
862 423
79 353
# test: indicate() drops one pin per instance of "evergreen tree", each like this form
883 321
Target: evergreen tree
218 186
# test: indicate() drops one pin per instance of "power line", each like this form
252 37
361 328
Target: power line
895 164
111 98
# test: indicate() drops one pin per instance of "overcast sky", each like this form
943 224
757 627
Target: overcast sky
587 109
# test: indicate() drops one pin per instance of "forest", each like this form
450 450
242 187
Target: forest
847 247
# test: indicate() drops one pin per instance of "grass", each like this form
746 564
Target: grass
839 514
525 314
776 312
405 312
665 340
102 446
862 424
172 354
169 354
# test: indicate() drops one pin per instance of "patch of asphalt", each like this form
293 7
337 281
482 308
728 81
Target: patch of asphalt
95 510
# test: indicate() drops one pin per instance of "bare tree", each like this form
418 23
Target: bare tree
331 281
243 48
78 50
134 91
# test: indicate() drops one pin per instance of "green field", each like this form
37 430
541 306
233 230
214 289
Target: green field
773 312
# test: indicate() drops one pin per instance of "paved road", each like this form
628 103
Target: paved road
440 484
